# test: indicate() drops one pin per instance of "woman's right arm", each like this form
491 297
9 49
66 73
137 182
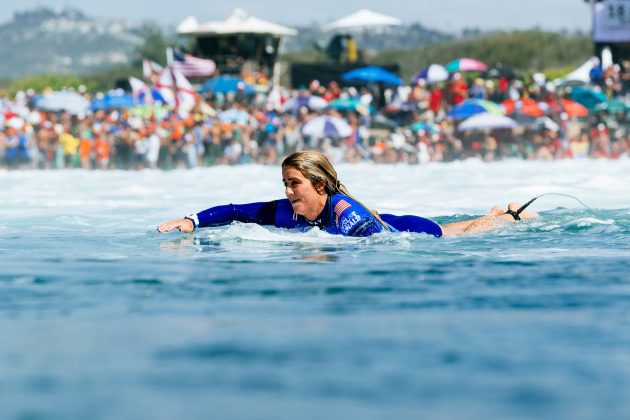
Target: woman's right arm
183 225
260 213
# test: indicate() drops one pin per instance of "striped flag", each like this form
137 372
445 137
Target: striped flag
191 66
342 205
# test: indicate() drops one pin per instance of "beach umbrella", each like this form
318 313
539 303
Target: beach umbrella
587 97
525 106
573 109
466 64
432 74
312 102
372 74
70 102
613 106
472 107
487 121
326 126
226 84
351 104
112 101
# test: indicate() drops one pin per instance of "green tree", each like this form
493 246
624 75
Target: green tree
154 45
525 51
51 81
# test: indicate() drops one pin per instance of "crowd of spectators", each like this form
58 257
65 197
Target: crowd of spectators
407 124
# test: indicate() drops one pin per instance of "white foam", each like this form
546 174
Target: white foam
468 187
590 221
253 232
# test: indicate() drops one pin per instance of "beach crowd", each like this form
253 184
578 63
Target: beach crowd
412 124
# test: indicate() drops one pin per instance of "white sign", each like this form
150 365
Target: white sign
616 14
611 21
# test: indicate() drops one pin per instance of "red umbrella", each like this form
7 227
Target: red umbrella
574 109
525 106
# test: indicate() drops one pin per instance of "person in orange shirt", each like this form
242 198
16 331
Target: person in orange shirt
85 149
101 152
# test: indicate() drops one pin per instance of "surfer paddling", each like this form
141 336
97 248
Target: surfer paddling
315 197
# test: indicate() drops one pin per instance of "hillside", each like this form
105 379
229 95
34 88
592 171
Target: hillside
44 41
525 51
407 36
64 42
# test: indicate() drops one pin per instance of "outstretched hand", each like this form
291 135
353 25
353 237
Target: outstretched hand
183 225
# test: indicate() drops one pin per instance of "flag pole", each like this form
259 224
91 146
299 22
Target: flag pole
169 56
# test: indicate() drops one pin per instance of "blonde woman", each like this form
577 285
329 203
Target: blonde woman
316 198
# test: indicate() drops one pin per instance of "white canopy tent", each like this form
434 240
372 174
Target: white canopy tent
363 18
581 74
238 23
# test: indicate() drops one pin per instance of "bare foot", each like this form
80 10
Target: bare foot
525 214
496 211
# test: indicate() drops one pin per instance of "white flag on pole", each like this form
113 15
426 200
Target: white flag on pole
176 90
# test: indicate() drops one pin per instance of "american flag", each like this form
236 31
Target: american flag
341 206
191 66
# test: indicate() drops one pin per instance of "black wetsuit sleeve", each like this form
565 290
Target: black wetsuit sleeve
260 213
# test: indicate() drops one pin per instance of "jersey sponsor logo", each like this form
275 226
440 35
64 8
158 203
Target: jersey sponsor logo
347 223
340 207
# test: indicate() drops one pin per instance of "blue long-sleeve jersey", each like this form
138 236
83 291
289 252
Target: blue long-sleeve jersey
341 216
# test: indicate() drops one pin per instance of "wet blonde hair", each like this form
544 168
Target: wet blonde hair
317 168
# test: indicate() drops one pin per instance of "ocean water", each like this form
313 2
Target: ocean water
101 317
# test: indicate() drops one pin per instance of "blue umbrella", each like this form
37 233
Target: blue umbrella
431 74
587 97
372 74
112 101
226 84
471 107
351 104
